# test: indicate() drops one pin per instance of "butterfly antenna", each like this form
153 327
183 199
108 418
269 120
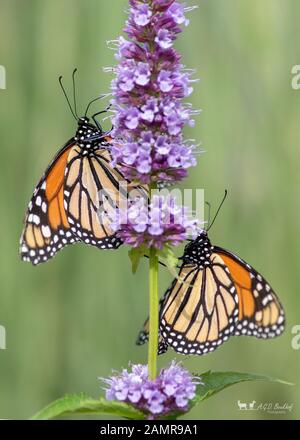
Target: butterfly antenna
209 210
66 96
74 92
91 102
216 214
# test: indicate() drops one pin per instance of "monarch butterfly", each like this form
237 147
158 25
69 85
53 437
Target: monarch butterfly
216 295
63 208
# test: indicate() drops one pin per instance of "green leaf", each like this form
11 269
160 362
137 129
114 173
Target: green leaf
135 255
218 381
75 404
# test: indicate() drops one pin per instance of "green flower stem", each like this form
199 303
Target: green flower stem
153 315
153 308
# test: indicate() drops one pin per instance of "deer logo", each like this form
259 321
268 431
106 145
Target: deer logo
242 405
251 404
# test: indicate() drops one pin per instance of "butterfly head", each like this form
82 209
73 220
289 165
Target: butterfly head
85 124
84 120
198 251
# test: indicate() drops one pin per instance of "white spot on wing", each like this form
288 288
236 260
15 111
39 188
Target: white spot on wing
36 219
46 231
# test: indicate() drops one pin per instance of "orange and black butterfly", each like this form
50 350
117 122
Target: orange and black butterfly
216 295
64 207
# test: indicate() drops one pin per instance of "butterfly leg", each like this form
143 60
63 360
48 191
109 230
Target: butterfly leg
97 114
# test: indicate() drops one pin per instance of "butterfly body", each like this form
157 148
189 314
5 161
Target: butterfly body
216 295
198 252
87 135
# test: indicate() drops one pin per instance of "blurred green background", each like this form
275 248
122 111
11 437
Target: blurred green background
77 317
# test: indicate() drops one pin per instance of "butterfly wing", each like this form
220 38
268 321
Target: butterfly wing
47 229
64 207
91 186
227 298
260 312
200 310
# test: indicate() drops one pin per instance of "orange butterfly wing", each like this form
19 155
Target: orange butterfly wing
65 206
47 229
260 312
200 311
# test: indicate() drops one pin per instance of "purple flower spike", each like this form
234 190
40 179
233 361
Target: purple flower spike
149 89
172 391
